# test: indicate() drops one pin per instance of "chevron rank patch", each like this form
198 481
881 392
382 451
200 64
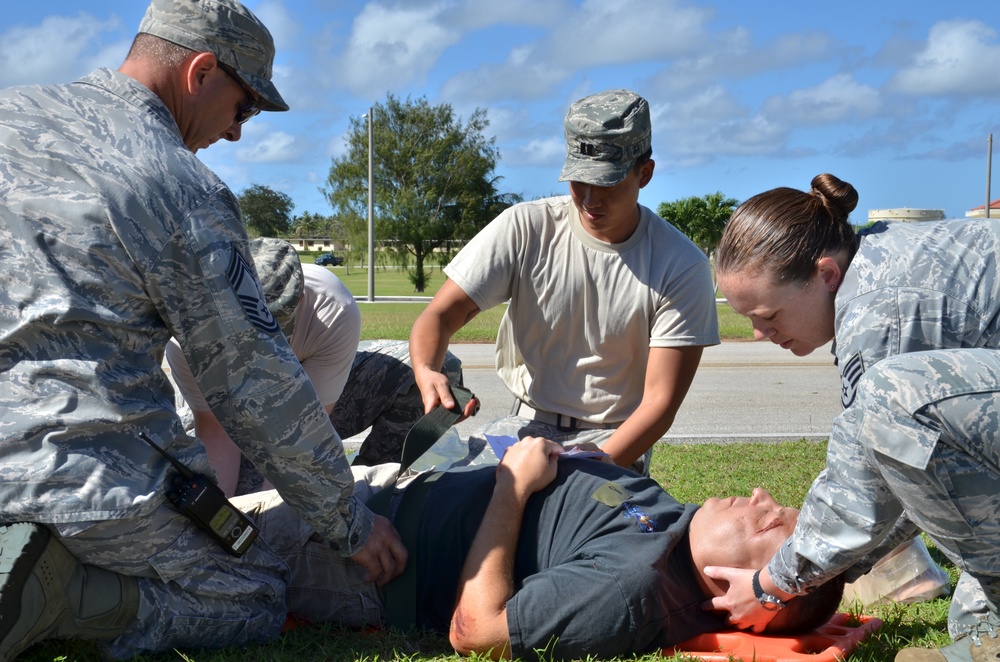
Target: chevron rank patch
850 375
250 294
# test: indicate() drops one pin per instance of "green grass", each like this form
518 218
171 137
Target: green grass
389 281
394 320
691 472
733 326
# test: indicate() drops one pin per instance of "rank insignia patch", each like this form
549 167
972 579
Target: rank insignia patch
250 294
850 375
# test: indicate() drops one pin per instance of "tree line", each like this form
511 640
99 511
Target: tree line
434 187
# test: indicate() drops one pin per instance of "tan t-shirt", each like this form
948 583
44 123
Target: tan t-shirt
583 313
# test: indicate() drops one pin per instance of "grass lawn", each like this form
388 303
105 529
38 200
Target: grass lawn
389 281
691 473
394 320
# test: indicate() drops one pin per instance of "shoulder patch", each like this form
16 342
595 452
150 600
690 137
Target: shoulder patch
250 294
850 374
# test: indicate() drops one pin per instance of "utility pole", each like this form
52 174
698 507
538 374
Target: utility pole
371 208
989 161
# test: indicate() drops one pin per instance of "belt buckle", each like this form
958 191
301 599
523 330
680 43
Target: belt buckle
572 427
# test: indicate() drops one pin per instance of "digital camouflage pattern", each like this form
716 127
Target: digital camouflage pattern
917 321
280 272
605 134
225 28
115 237
380 396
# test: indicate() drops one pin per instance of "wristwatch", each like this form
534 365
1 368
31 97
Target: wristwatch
768 601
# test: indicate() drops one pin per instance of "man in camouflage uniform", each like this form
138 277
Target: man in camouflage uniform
367 386
916 448
610 306
115 237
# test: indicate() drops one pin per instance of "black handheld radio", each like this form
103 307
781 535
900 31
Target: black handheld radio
199 498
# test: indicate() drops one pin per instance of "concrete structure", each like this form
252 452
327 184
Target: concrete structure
314 244
980 211
905 214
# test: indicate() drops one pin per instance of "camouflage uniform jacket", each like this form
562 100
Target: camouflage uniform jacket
911 287
113 238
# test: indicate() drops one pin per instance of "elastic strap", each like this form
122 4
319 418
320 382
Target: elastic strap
401 592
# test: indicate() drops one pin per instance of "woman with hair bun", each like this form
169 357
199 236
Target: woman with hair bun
914 313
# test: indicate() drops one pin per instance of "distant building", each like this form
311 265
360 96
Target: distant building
980 211
314 244
905 214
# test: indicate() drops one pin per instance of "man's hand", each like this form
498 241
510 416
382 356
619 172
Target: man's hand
528 466
745 611
435 389
383 555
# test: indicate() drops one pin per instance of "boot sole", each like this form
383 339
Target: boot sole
21 545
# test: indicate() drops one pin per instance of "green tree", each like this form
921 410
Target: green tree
356 231
433 178
307 225
266 212
701 219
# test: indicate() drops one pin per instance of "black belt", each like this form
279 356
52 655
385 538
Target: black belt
562 422
404 506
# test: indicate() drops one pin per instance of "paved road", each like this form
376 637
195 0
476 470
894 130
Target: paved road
743 391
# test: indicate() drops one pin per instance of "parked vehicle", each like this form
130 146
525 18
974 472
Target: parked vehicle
329 260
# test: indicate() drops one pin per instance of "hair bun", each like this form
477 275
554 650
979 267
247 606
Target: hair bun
836 195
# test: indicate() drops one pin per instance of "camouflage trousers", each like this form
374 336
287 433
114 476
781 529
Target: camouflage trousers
192 594
520 427
931 427
381 396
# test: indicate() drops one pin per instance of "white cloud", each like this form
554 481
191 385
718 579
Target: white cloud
603 32
961 57
521 76
732 55
57 50
475 14
837 99
272 147
596 34
391 47
542 152
695 130
284 29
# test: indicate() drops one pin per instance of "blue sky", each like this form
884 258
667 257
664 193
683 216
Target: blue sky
896 97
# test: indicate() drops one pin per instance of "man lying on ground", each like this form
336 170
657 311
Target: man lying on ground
574 556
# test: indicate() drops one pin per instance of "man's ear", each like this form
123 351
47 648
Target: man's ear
196 72
646 172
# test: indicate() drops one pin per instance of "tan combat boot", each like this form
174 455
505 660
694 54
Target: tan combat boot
980 644
45 593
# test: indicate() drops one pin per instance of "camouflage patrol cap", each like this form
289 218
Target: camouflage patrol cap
280 273
224 28
605 134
